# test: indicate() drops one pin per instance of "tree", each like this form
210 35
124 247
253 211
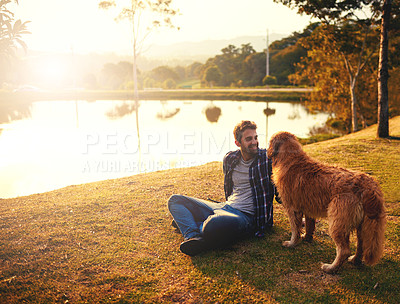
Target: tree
231 64
163 73
339 10
169 84
212 75
341 16
324 69
10 33
383 76
269 80
144 17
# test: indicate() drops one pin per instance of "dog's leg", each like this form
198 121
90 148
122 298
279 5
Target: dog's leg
342 253
295 219
310 227
357 258
340 232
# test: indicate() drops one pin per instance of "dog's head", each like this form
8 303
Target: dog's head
281 144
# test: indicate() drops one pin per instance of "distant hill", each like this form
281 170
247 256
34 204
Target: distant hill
183 53
202 50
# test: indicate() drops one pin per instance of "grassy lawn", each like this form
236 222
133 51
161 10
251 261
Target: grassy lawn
111 242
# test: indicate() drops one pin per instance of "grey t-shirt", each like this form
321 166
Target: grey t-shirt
242 197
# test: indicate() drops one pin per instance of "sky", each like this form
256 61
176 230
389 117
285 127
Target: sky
80 26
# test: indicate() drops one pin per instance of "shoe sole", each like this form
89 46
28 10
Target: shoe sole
193 247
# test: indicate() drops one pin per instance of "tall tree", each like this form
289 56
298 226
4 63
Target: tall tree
383 74
334 11
144 17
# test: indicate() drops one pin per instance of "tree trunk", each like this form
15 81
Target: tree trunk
136 99
383 76
354 121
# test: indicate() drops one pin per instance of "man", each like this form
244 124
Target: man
248 191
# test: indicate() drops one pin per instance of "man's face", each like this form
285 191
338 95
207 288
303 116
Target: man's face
248 144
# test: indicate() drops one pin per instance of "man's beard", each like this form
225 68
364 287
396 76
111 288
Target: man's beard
252 149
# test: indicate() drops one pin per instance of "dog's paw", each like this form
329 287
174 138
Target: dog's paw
355 260
288 244
328 268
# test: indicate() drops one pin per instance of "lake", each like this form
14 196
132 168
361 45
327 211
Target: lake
47 145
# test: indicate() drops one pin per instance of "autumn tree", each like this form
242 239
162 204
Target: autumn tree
343 17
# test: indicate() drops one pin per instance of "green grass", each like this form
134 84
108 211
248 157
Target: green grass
111 242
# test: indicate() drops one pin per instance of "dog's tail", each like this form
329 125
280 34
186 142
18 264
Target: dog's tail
373 227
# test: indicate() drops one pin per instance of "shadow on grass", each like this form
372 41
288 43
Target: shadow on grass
286 273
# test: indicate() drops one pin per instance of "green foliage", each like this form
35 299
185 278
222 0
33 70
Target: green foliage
115 75
212 75
194 70
344 17
245 67
330 10
11 33
269 80
287 52
338 58
150 83
163 73
169 84
231 64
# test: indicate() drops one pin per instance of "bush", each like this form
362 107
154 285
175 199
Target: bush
169 84
269 80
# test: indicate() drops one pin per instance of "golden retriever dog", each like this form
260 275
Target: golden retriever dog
350 200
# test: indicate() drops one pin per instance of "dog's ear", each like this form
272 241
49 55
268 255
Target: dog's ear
274 147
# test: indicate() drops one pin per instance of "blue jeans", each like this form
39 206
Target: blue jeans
215 222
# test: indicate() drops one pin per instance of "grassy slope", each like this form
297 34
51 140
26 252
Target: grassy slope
111 241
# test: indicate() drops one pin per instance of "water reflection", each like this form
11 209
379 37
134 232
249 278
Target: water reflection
11 111
295 113
166 112
122 110
42 147
268 112
212 112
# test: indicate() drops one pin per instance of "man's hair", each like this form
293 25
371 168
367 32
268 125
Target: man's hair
241 127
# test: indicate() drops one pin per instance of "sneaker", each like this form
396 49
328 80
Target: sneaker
193 246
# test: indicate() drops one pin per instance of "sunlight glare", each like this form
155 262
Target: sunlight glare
54 72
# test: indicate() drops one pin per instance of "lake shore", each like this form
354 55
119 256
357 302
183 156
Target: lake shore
260 94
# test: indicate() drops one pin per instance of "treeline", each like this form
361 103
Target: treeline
234 67
340 62
119 76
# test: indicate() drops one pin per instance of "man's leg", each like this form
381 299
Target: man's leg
189 213
226 225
